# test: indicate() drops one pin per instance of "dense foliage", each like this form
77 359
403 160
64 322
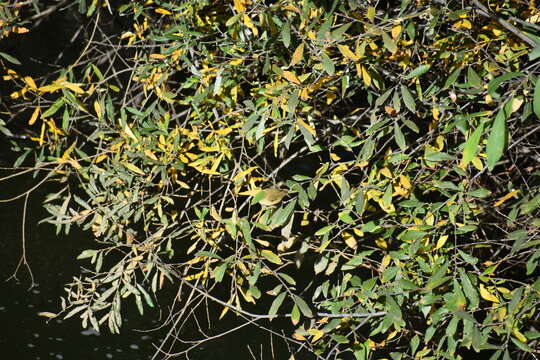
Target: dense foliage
368 169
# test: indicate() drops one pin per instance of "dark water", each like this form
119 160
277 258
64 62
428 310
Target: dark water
25 335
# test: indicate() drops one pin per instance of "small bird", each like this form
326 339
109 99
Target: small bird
272 196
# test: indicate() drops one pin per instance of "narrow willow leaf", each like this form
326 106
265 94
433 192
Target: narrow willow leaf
399 137
473 80
419 71
10 58
408 99
276 304
272 257
471 146
494 84
286 34
389 43
497 139
303 306
452 78
297 55
328 64
53 108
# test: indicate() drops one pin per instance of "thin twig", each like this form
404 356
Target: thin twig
485 11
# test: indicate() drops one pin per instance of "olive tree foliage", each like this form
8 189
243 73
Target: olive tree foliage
367 170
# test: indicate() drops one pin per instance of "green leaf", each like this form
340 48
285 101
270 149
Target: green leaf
408 99
286 34
419 71
473 80
399 137
86 254
276 303
303 306
328 64
389 43
471 146
536 101
468 289
535 53
295 315
53 108
522 345
324 230
452 78
497 138
10 58
496 82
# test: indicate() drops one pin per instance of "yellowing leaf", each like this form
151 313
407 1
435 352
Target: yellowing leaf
370 13
291 77
365 76
486 295
272 257
162 11
347 52
97 108
317 334
73 87
250 25
34 116
243 173
133 168
396 30
297 55
441 242
306 126
506 197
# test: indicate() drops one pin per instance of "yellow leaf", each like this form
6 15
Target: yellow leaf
346 51
162 11
317 334
350 240
157 56
30 82
519 335
506 197
97 108
236 62
150 154
464 23
133 168
291 77
66 154
34 116
371 13
380 242
365 76
73 87
101 157
239 6
441 242
306 126
485 294
396 30
250 25
297 55
50 88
